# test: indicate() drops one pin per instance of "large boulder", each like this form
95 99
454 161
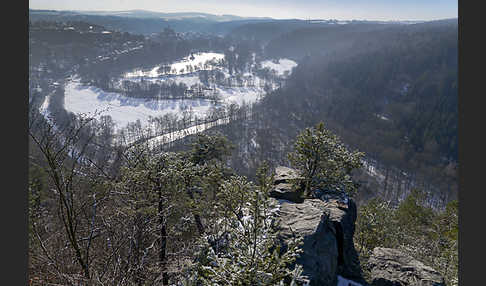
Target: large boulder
287 192
392 267
327 228
286 185
286 175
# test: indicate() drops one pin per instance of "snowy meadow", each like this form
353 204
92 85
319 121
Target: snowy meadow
90 100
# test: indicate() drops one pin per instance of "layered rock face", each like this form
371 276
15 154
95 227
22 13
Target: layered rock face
320 250
327 223
284 187
392 267
327 227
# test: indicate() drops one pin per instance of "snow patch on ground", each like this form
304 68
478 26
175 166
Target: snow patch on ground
173 136
382 117
281 67
43 108
240 94
372 171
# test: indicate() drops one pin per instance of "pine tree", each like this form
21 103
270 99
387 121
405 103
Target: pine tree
243 248
324 161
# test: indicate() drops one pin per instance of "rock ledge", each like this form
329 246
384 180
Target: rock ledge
392 267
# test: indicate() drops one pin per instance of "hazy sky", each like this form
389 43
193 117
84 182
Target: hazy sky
303 9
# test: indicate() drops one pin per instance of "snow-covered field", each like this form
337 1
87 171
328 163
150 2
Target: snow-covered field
187 79
122 109
239 95
179 67
93 101
281 67
199 60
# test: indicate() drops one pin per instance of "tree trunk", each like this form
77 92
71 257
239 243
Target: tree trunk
197 218
163 246
163 241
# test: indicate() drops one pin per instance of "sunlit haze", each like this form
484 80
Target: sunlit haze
300 9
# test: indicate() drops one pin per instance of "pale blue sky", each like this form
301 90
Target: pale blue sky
303 9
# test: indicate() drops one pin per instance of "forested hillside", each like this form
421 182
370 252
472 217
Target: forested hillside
318 40
174 181
394 96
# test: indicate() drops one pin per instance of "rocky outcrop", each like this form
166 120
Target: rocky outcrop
285 187
320 251
392 267
343 216
287 192
285 175
326 224
327 228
